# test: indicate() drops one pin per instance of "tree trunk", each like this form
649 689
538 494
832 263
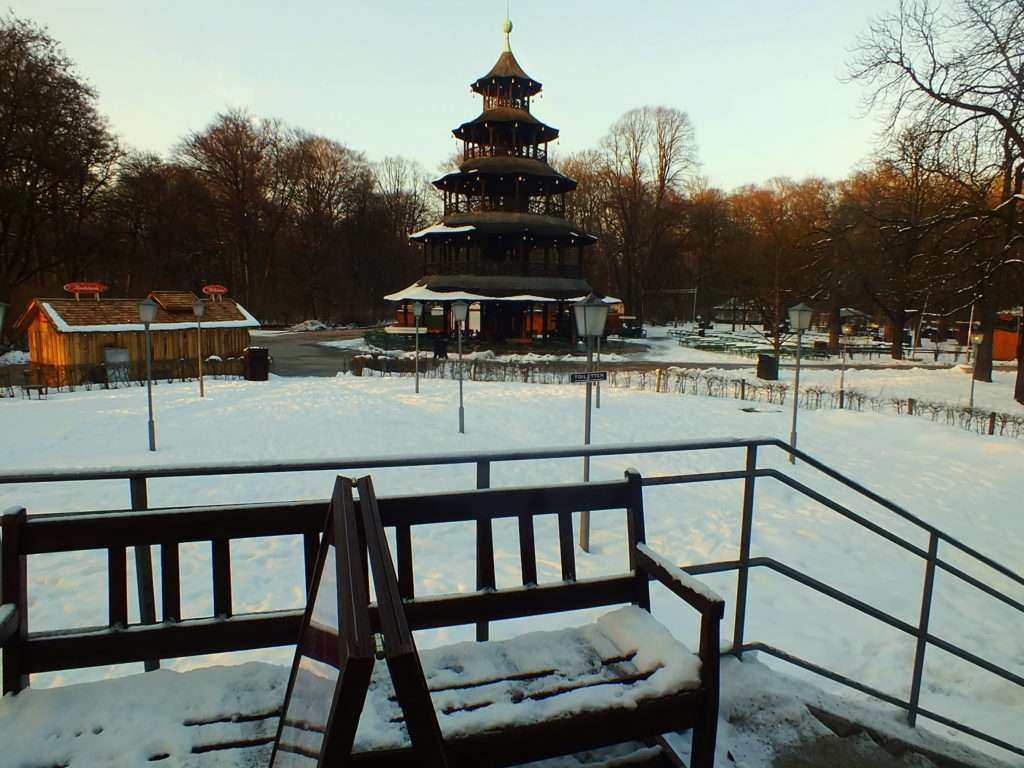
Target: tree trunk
899 325
835 329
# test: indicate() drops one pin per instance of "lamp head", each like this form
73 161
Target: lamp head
147 311
800 317
461 310
417 309
199 308
977 337
591 314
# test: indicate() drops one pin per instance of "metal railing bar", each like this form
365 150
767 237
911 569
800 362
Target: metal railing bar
183 470
828 673
970 731
921 645
898 510
841 478
978 584
976 660
381 462
702 569
848 514
700 477
835 594
843 680
982 558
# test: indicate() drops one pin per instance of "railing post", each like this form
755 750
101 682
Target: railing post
922 628
484 548
742 573
144 565
14 591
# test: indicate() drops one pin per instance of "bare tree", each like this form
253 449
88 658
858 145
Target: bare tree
250 166
57 156
646 157
955 71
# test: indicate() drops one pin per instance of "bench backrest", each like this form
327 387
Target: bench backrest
524 504
165 530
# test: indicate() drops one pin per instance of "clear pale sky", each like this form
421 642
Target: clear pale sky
760 80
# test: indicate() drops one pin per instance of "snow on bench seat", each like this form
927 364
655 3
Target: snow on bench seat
622 660
189 720
226 717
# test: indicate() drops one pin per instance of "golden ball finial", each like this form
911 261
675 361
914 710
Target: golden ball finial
507 27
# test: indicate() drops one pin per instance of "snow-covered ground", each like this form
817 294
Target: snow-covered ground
662 346
967 485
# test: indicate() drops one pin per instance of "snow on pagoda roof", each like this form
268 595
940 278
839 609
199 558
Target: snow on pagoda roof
441 229
417 292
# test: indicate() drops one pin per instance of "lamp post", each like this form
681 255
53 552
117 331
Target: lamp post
461 310
147 313
3 311
976 339
591 314
597 394
800 321
199 310
844 341
417 312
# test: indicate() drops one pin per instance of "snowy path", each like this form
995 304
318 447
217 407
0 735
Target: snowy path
967 485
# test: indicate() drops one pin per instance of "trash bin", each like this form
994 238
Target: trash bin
767 367
256 362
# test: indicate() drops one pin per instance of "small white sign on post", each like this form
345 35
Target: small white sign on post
583 378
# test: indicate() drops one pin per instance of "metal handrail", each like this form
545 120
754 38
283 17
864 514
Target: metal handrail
138 477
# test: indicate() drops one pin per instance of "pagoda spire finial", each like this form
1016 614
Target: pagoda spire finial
507 27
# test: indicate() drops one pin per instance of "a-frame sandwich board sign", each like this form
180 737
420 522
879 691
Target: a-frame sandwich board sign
403 659
335 654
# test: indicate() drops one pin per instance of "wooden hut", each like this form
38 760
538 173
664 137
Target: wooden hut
78 340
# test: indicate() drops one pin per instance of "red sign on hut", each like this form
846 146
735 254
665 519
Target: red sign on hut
215 291
77 288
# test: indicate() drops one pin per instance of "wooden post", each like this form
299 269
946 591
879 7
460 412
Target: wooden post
144 566
484 548
910 406
14 591
992 423
657 381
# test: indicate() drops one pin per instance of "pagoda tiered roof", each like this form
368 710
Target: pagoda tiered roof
507 68
504 235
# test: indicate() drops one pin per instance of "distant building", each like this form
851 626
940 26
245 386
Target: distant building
504 244
1006 334
80 340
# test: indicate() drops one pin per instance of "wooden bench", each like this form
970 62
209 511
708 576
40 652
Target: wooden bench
621 679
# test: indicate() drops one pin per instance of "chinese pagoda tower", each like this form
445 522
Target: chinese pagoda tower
504 244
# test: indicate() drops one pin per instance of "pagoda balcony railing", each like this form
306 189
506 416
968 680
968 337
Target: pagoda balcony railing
489 267
553 206
513 102
532 151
